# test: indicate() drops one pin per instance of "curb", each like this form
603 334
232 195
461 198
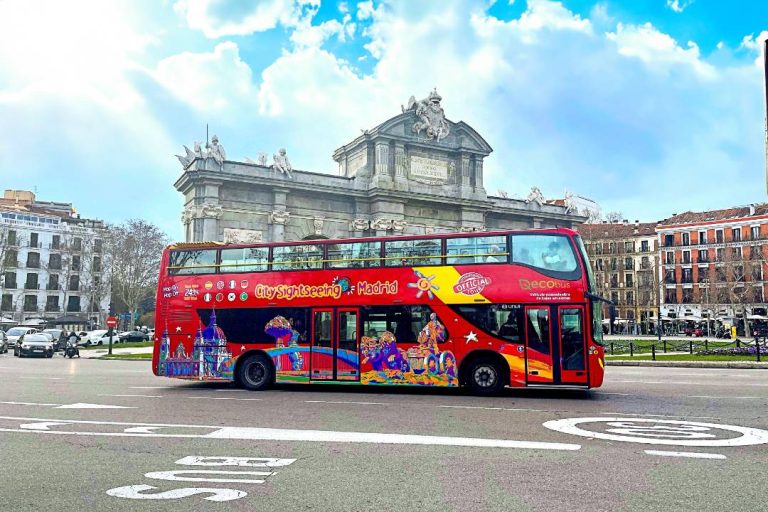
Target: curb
744 365
120 359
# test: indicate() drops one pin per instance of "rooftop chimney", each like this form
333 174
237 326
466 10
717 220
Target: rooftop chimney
752 209
637 222
625 222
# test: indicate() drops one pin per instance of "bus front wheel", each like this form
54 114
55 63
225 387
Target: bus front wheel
255 373
485 377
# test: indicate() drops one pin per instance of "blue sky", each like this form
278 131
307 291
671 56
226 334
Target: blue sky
649 107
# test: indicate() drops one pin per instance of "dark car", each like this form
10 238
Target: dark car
33 345
59 338
134 336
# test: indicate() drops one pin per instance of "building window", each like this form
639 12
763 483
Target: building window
669 240
754 232
11 258
52 303
34 240
703 256
11 237
736 234
31 282
7 303
54 262
97 245
33 260
687 295
30 303
96 266
53 281
719 254
73 304
687 257
599 248
702 237
599 264
629 246
687 275
74 283
77 244
75 263
670 296
669 258
719 236
757 272
757 294
669 277
629 264
630 299
612 247
615 281
10 280
644 246
736 253
56 242
629 281
614 264
755 253
645 263
615 297
686 239
703 274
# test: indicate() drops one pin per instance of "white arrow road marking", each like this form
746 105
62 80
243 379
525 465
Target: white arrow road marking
141 430
93 406
693 455
276 434
42 425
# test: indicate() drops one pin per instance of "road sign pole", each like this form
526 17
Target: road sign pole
110 341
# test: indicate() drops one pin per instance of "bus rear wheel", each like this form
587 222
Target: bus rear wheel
485 377
255 373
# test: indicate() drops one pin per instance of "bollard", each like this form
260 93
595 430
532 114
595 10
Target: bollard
706 344
738 343
653 351
757 349
690 346
631 349
665 346
611 348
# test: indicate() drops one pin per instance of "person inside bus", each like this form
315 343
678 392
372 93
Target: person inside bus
508 329
552 257
494 257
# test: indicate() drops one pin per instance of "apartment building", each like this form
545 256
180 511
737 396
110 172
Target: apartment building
713 264
51 261
624 257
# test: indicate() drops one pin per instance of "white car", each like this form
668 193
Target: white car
104 339
34 344
93 337
15 333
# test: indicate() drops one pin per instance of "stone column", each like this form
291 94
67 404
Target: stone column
278 219
465 168
401 167
381 171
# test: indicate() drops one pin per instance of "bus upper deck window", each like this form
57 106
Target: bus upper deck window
246 259
548 252
199 261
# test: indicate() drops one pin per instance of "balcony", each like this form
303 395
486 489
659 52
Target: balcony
53 288
31 286
52 308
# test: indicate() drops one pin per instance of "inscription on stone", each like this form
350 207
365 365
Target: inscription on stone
428 169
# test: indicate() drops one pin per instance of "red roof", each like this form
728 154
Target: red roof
621 230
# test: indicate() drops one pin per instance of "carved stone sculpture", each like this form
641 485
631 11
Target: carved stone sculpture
279 216
359 225
263 159
242 236
216 151
188 214
399 225
431 116
535 196
317 224
503 194
190 156
281 163
211 211
381 224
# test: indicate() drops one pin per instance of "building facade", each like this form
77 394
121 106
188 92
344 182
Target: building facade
51 261
713 264
625 260
416 173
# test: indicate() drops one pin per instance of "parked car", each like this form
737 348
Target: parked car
134 336
104 339
93 337
3 342
14 333
33 344
694 331
59 338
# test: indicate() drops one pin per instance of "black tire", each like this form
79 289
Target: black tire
256 373
485 377
50 355
100 343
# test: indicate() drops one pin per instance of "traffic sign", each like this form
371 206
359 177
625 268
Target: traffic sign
112 322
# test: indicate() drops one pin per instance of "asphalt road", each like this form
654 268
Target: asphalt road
108 435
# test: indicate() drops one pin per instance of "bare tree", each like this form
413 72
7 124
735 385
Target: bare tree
134 249
614 217
648 287
10 241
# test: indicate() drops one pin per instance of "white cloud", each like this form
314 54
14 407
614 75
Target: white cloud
238 17
678 6
365 10
657 49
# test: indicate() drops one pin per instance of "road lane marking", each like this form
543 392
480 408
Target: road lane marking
693 455
488 408
342 402
81 405
729 397
275 434
633 414
657 431
29 403
224 398
607 393
137 396
689 383
43 425
153 387
41 378
141 430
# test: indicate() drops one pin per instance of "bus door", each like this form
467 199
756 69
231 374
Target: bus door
573 353
322 347
538 345
335 351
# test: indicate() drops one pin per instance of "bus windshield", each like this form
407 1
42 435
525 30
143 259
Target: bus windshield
597 307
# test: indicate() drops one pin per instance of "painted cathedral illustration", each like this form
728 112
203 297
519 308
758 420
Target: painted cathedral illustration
209 359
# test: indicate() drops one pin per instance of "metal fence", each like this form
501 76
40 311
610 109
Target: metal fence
757 348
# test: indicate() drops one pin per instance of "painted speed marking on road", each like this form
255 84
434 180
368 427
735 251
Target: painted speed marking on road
663 432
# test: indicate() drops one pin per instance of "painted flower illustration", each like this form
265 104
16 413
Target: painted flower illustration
424 285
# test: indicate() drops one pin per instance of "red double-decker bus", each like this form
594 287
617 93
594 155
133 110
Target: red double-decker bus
482 310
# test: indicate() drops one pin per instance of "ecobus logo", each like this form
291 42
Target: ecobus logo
542 284
471 283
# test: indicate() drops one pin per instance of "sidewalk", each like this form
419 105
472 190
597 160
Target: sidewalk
101 352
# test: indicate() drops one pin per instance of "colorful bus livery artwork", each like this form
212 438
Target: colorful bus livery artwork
481 310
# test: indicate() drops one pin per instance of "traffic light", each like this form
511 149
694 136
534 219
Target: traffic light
111 309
